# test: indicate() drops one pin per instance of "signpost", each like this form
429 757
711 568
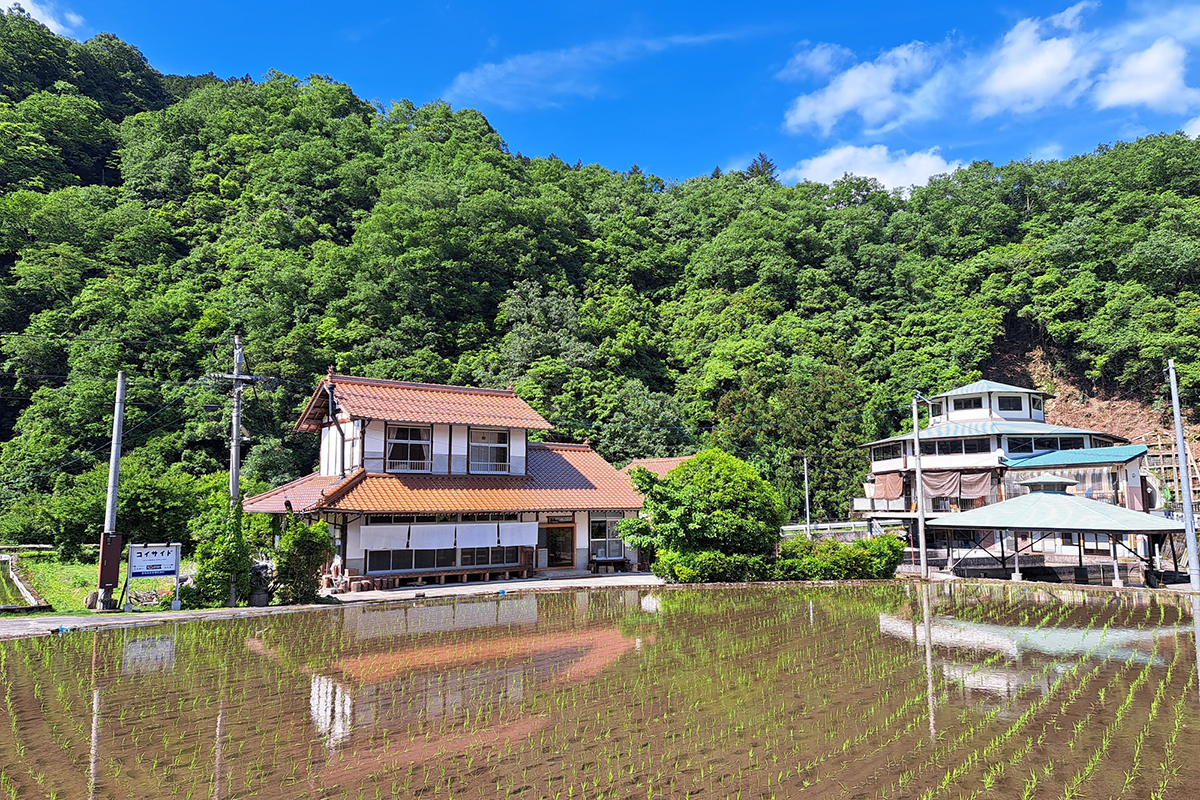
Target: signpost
154 561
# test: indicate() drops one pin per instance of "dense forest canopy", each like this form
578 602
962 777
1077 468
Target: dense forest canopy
145 218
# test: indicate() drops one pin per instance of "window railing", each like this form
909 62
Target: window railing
408 466
489 466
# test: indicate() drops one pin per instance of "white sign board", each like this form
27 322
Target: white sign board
153 560
148 654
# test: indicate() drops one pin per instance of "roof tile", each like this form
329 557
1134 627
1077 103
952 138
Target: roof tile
426 403
560 477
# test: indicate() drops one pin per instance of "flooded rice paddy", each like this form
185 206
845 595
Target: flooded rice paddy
889 690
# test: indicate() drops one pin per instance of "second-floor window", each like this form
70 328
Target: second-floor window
966 403
488 450
407 449
1010 403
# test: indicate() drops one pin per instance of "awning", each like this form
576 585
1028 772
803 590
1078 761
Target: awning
383 537
889 486
518 534
430 537
940 484
477 534
975 484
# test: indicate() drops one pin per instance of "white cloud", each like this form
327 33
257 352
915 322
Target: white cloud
898 86
1153 77
63 23
1192 128
1052 151
895 169
1028 72
818 61
546 78
1072 18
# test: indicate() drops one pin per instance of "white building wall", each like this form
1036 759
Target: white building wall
441 449
516 452
458 449
374 441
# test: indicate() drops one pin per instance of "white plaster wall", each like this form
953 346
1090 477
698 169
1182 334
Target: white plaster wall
458 449
516 451
354 539
374 442
441 449
326 459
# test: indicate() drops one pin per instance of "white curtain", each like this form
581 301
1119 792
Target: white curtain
477 534
516 534
430 537
383 537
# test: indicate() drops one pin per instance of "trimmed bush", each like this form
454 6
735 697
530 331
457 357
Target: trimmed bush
710 566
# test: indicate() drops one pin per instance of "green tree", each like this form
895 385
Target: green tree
712 501
303 549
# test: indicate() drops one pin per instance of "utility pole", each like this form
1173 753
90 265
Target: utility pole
919 489
240 379
807 507
110 540
1185 484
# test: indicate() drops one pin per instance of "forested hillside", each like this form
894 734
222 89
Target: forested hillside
146 218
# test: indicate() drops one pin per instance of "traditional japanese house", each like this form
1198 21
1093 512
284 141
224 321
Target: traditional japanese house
432 481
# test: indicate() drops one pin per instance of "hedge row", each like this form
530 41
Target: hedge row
799 560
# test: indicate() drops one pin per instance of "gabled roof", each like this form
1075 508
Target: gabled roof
983 387
1073 458
1057 511
993 427
659 466
559 477
422 403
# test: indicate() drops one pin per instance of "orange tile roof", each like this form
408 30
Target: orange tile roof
560 477
304 493
425 403
660 466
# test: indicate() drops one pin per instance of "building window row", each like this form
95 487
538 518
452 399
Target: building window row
441 558
1032 444
409 449
954 447
408 519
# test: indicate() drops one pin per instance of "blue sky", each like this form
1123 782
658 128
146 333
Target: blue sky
677 88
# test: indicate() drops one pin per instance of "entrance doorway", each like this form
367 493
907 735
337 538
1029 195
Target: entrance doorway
558 540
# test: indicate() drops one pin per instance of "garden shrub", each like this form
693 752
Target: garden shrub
830 560
710 566
303 549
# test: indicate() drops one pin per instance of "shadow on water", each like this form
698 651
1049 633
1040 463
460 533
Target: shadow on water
872 690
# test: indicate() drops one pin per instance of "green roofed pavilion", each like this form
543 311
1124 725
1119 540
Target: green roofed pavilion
1051 510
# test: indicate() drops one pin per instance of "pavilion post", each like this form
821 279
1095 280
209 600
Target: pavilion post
1112 546
1016 575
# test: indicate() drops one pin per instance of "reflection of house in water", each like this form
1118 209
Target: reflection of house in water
408 679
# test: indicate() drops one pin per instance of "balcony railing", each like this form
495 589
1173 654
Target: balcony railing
407 466
489 466
933 505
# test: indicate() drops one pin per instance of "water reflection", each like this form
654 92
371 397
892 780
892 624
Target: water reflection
710 691
412 677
